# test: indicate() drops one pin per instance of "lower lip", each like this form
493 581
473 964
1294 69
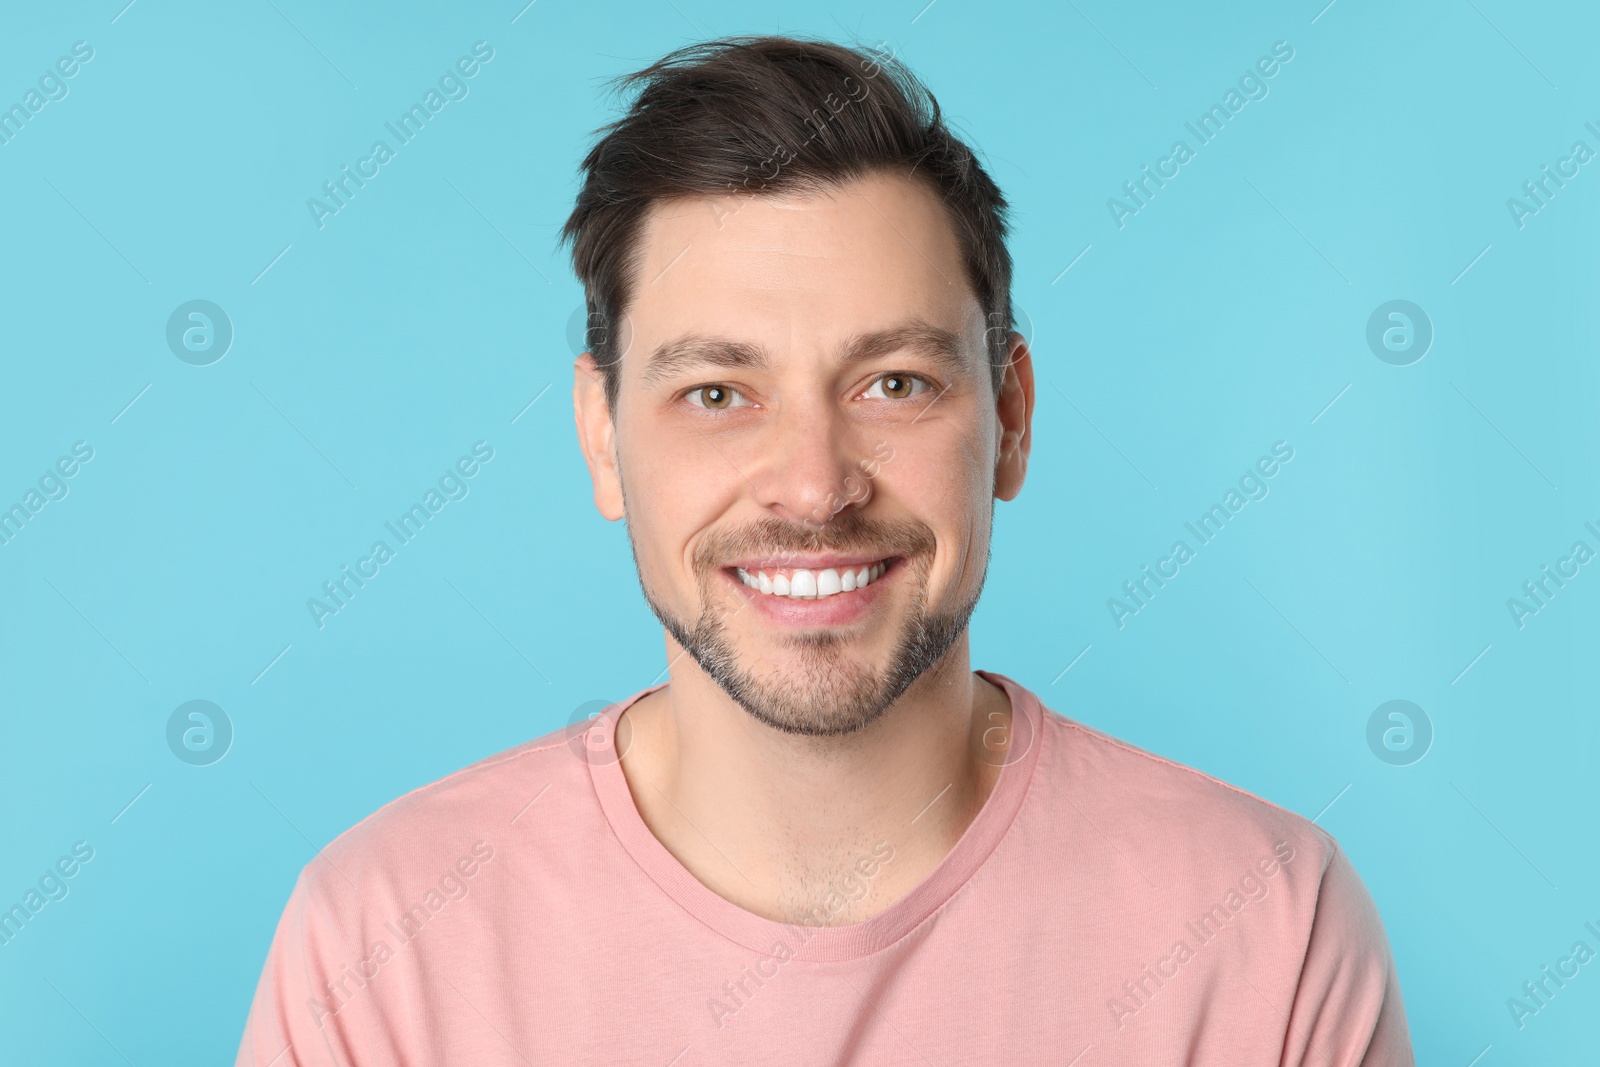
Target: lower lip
840 609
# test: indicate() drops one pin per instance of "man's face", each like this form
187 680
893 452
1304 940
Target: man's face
805 396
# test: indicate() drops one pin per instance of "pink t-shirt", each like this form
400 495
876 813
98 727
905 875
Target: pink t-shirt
1106 906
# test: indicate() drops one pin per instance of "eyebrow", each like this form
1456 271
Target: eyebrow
698 350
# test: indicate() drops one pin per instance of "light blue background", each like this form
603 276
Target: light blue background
371 353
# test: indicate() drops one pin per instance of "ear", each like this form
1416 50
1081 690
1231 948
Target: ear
596 435
1014 406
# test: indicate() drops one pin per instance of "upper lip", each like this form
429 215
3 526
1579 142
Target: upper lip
815 561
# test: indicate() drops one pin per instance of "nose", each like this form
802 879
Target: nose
809 471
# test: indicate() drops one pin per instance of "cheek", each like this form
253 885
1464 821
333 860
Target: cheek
948 488
675 490
664 450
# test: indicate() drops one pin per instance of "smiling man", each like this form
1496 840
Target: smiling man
826 839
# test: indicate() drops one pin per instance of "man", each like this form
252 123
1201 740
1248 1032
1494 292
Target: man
826 839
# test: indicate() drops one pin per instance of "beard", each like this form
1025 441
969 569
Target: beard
827 692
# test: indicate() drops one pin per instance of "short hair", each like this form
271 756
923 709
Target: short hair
769 115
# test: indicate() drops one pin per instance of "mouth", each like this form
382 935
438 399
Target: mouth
816 597
815 582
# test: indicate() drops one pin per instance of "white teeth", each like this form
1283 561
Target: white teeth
805 584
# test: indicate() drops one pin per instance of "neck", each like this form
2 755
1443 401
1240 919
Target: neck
785 825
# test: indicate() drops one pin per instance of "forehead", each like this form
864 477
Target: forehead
807 269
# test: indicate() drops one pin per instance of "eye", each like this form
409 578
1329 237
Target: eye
716 397
897 386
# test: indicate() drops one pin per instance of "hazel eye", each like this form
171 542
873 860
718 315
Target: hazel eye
901 386
716 397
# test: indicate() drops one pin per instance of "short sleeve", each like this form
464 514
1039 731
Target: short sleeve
290 1024
1347 1007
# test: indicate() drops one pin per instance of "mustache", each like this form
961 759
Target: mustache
850 532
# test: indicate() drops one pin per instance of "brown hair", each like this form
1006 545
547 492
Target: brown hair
769 115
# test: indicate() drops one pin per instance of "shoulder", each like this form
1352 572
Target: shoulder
455 824
1235 884
1192 828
